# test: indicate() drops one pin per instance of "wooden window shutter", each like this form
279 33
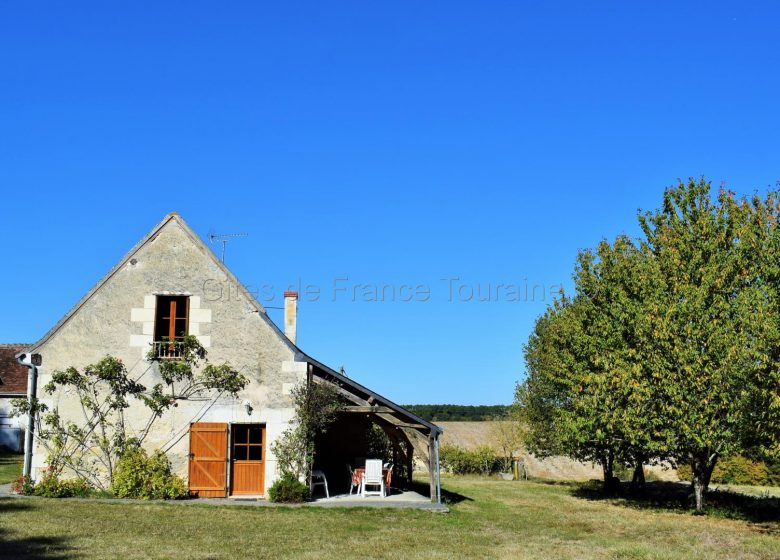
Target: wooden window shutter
208 459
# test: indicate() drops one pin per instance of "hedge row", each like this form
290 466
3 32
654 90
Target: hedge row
739 470
482 460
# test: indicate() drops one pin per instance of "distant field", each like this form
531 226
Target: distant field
457 412
470 435
488 519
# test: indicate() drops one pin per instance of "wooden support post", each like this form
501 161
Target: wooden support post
432 465
396 459
409 462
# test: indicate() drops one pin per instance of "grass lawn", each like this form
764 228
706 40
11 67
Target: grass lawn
10 465
492 519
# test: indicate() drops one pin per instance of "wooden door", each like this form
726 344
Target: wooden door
208 459
248 459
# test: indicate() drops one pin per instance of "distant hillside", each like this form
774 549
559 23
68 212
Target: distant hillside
457 412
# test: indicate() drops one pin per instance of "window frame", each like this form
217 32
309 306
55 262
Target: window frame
158 335
246 447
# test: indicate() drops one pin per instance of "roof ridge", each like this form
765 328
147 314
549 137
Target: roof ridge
103 279
198 241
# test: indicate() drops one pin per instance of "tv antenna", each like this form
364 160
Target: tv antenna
224 238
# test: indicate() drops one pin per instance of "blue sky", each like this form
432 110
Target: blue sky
396 144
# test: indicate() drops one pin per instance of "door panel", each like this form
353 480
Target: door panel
248 459
208 459
247 477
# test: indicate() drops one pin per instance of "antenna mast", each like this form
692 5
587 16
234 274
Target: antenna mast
224 238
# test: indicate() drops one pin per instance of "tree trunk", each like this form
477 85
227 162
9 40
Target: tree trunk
608 466
698 491
702 467
638 480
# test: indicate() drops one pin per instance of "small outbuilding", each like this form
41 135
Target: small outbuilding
13 385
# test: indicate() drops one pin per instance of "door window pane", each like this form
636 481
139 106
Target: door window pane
255 434
255 453
240 434
247 442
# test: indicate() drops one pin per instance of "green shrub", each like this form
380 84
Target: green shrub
378 445
741 470
288 490
456 460
735 470
623 472
685 473
23 485
50 486
138 475
773 465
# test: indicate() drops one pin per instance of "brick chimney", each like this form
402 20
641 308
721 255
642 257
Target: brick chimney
290 315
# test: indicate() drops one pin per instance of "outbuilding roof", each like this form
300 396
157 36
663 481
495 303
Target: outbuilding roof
13 375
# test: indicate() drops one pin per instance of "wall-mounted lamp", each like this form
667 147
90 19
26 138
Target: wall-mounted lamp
248 407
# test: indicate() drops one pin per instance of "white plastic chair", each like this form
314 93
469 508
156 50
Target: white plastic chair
318 479
373 477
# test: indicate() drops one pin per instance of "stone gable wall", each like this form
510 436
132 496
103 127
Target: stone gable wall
119 320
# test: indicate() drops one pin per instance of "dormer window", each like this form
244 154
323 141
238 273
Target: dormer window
171 324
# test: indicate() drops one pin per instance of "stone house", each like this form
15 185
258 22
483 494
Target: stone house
13 385
172 283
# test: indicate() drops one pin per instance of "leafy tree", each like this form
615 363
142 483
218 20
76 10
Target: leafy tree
761 245
316 407
545 398
378 444
507 434
615 284
583 360
670 348
710 322
547 390
92 445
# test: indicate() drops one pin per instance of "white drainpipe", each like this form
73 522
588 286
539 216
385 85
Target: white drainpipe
31 362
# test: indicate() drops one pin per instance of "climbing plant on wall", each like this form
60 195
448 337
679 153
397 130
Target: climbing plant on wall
91 444
316 406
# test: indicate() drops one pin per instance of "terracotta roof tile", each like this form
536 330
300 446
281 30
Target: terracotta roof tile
13 375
